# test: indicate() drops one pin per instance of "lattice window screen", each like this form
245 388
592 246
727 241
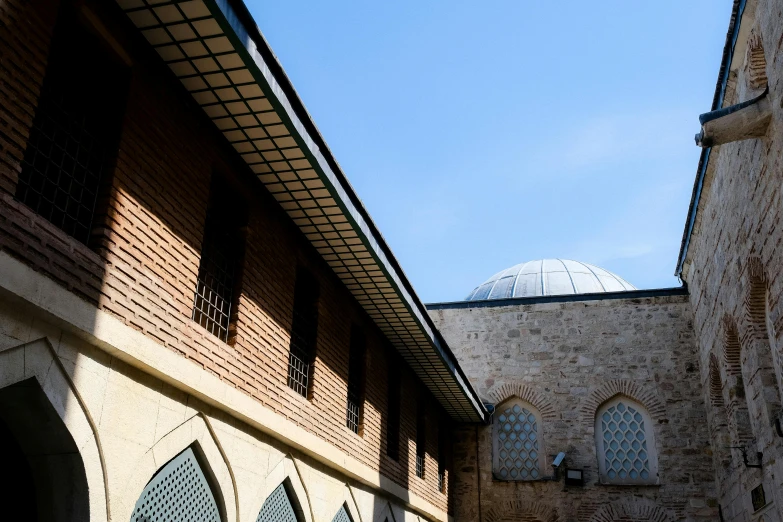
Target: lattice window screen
342 516
625 451
178 492
517 445
277 507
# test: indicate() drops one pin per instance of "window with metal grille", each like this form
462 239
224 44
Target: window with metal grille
393 408
757 497
178 491
342 515
517 449
421 439
626 450
221 253
442 455
278 507
356 370
75 131
304 333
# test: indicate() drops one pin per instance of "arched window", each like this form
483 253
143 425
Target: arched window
179 491
625 444
280 506
517 448
342 515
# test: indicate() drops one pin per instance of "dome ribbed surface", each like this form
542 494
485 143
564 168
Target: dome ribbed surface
549 277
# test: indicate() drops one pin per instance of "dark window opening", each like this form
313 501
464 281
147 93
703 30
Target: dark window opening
758 498
75 133
217 288
443 444
304 333
393 413
356 373
421 439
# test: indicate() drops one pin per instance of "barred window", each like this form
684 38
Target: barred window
221 252
356 370
443 455
75 130
393 407
304 333
421 436
517 448
626 450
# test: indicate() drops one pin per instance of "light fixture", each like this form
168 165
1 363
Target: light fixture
574 477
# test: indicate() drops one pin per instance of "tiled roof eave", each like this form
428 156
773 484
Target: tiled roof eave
224 65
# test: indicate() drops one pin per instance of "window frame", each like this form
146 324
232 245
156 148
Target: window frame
303 345
649 432
542 460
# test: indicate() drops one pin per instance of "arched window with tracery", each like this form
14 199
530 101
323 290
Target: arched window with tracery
517 447
625 443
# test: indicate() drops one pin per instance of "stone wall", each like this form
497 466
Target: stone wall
566 359
733 270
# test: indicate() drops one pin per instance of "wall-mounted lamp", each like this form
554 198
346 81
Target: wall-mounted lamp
574 477
744 451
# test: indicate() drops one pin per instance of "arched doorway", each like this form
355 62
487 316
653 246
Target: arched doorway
48 478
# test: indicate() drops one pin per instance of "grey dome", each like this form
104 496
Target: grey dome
549 277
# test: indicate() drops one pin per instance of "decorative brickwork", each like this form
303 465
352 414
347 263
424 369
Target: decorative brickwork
638 511
526 393
521 511
634 390
756 63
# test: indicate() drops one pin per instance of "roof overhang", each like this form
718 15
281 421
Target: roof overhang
736 41
219 55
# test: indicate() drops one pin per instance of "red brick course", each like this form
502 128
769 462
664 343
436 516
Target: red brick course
143 264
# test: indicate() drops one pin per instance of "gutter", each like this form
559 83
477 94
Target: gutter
717 102
564 298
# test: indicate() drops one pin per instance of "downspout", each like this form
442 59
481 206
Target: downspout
743 121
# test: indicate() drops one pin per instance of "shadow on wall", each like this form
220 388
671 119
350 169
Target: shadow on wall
140 258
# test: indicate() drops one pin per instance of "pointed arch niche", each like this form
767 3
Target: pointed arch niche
625 443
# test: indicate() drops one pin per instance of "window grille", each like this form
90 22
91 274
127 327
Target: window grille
421 439
342 515
442 455
355 379
393 408
625 446
215 286
277 507
304 332
75 131
179 491
757 497
516 443
221 253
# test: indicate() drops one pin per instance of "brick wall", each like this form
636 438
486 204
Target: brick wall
145 260
733 271
566 359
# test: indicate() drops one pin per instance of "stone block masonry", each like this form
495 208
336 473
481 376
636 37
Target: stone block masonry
566 359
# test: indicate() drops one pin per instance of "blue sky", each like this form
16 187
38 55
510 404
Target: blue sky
483 134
